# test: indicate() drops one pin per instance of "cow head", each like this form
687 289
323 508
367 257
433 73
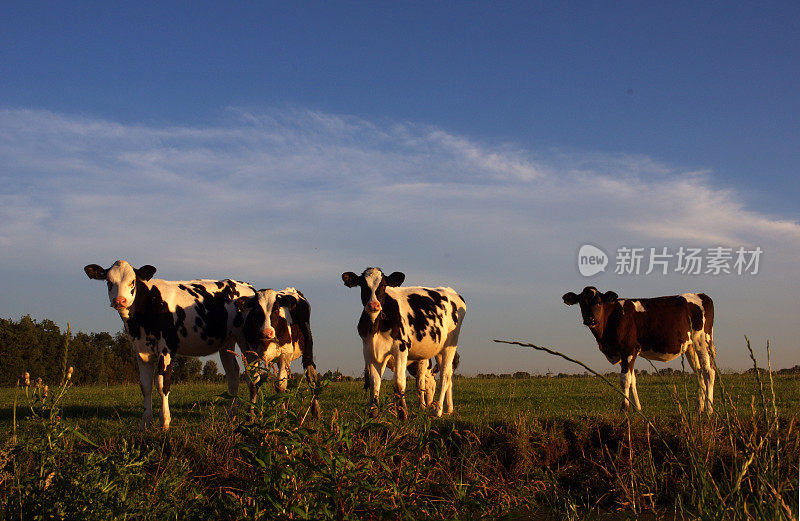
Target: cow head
593 308
373 287
121 280
263 314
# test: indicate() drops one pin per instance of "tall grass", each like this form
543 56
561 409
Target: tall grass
499 456
739 464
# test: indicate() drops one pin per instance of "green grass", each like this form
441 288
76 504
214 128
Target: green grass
555 445
110 411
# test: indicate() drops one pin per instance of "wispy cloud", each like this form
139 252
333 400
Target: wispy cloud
296 194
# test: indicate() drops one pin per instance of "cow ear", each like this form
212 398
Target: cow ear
570 298
146 272
609 297
93 271
350 279
395 279
240 303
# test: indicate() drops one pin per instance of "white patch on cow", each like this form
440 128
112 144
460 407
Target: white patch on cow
285 312
122 284
373 278
637 306
686 345
658 357
625 380
266 301
693 298
165 361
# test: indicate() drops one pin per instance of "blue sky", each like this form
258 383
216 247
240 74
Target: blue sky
476 145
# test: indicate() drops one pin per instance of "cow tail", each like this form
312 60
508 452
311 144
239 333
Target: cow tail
308 348
708 313
301 315
456 360
366 379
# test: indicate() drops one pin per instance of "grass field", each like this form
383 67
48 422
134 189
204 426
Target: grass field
535 448
109 411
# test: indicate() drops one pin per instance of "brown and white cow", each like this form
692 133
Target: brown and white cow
164 318
406 325
277 327
661 328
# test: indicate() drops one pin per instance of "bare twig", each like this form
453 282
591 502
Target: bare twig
574 361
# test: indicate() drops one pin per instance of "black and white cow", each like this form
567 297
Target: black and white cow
164 318
277 327
661 328
423 371
406 324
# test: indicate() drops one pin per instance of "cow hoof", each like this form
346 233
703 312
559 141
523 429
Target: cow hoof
311 374
316 410
436 411
402 414
373 412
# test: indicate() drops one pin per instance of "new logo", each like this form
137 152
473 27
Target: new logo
591 260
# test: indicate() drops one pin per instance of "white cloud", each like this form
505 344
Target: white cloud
284 196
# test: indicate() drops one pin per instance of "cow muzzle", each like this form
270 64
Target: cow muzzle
268 333
119 303
373 306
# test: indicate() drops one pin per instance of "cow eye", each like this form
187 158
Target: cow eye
108 283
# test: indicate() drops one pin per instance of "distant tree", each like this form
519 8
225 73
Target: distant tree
186 368
522 374
210 371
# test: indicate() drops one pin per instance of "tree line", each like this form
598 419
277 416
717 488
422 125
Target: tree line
38 347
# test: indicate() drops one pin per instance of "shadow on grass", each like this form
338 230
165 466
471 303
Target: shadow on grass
194 411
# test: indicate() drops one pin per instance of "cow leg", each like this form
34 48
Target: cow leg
704 354
627 380
422 382
430 385
163 383
401 363
231 367
711 374
282 383
146 370
634 389
373 373
446 393
428 393
694 362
